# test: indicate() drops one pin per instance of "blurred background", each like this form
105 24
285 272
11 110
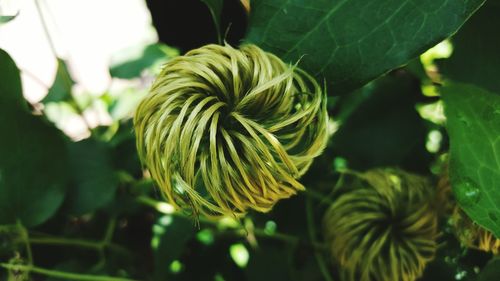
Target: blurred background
105 46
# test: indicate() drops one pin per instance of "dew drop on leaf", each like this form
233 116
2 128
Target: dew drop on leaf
463 120
467 192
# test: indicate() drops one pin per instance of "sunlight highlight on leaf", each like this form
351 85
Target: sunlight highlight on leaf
240 254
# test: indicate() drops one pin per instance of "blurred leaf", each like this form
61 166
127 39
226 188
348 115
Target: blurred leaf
473 116
215 7
6 19
452 261
352 42
130 63
269 262
93 179
61 88
491 271
475 57
172 233
124 105
124 151
380 126
11 93
33 159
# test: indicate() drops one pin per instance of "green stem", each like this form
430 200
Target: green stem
277 235
317 196
95 245
312 236
168 209
238 230
61 274
110 230
68 242
25 237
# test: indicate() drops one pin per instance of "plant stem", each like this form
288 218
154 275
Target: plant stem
65 75
96 245
67 242
61 274
312 235
110 230
317 195
34 78
45 28
238 230
25 237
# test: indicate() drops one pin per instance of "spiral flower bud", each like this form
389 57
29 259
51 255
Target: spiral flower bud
382 226
224 130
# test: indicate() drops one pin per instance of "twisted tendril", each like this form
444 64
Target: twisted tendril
383 226
224 130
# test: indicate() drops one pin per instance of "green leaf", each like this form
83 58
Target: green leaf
215 7
11 93
93 178
131 62
124 154
32 157
475 58
473 125
61 88
259 265
491 271
350 42
32 168
6 19
124 105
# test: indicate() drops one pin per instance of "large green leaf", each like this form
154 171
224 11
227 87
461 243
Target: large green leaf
350 42
32 156
11 93
93 179
475 57
473 116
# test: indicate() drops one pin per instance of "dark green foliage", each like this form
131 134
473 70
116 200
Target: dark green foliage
88 207
93 179
381 127
351 42
475 56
